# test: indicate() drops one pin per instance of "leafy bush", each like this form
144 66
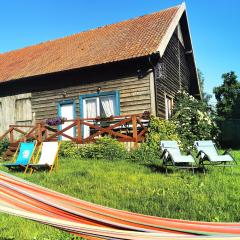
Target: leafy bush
104 148
159 129
3 145
68 149
193 119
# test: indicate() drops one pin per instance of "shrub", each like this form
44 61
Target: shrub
68 149
159 129
104 148
3 145
193 119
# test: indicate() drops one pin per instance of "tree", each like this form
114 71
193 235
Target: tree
228 97
205 96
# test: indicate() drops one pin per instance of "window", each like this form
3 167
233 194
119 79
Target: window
169 106
180 36
102 104
23 110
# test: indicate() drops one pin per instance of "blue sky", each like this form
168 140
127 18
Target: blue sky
215 26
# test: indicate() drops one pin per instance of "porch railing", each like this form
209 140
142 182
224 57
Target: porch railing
125 128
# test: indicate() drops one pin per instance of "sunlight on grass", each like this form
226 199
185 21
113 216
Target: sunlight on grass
138 188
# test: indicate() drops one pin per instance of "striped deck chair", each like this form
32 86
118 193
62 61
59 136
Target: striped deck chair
23 156
172 156
48 159
208 155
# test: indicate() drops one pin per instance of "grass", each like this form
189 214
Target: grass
138 188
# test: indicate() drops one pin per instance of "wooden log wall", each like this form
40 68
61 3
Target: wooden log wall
170 83
134 96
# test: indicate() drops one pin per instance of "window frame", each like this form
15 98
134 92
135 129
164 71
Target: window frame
115 93
168 97
16 113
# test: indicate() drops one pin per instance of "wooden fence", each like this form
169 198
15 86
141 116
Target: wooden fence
127 128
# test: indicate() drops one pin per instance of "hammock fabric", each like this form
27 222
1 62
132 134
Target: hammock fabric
92 221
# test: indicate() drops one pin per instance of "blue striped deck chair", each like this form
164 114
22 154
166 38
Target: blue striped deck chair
23 157
172 156
208 155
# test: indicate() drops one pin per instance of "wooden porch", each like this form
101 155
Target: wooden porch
125 128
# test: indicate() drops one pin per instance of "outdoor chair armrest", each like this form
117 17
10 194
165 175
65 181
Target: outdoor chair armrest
199 153
163 153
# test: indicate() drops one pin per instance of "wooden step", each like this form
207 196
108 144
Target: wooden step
11 150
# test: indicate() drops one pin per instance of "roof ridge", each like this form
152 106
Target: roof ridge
88 30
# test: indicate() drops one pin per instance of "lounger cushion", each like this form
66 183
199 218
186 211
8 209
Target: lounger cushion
221 158
169 144
183 159
206 143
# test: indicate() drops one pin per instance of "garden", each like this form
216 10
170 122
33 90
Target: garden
106 173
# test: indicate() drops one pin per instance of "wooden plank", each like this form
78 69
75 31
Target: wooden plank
132 91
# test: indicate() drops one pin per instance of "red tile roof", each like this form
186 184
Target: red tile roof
124 40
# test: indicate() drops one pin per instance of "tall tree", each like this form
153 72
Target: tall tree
228 97
205 96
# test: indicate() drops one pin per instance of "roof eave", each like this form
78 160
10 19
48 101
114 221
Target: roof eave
164 42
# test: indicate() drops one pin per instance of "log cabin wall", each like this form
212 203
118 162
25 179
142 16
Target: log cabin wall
172 81
134 96
45 92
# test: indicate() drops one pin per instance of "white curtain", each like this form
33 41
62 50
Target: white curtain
91 108
108 104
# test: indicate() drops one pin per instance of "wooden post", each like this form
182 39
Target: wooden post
79 131
135 136
39 132
11 138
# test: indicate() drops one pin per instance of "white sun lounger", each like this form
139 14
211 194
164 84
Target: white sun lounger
172 156
208 155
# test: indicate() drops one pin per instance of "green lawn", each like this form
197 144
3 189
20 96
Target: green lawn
138 188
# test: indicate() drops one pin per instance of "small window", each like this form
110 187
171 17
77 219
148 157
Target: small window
169 106
23 110
180 36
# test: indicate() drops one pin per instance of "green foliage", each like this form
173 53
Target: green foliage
193 120
68 149
159 129
205 96
228 97
105 147
3 145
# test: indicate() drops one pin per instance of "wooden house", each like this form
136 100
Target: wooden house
124 68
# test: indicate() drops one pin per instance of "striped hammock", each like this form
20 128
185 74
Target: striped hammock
92 221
